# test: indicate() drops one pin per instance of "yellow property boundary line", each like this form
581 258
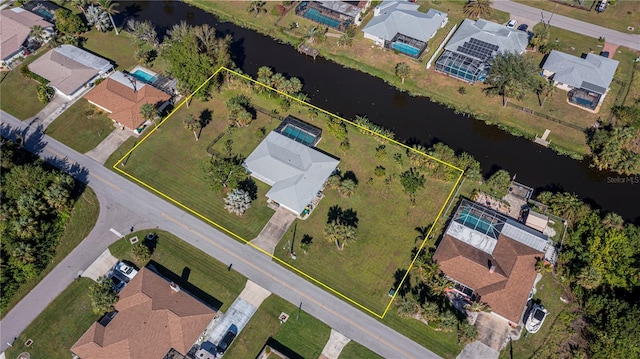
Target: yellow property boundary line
225 230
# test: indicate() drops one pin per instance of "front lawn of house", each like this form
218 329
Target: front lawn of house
18 94
81 127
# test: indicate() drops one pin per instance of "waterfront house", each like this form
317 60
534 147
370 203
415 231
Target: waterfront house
122 95
335 14
466 55
398 25
587 79
70 69
491 258
15 29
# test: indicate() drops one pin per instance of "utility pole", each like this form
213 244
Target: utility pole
299 309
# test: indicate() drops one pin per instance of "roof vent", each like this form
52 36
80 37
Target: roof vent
174 287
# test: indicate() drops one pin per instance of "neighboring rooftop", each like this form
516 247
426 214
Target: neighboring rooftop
15 26
68 68
493 255
593 73
506 39
152 319
395 17
341 7
123 96
296 172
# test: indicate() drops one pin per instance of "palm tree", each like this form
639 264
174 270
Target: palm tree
312 33
37 31
98 18
81 5
23 253
144 31
257 7
477 307
402 70
26 227
407 307
540 38
278 81
478 8
191 124
511 76
430 311
612 220
312 113
347 187
545 89
56 196
149 112
110 8
338 232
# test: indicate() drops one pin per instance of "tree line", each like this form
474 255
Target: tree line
36 206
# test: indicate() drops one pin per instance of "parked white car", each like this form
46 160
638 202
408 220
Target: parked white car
512 23
127 270
536 318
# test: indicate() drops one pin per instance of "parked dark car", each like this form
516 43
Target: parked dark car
118 284
226 341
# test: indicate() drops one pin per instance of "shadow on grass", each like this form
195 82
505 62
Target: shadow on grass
183 282
277 346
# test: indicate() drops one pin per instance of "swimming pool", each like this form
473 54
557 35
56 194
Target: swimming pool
298 135
406 49
315 15
144 76
44 13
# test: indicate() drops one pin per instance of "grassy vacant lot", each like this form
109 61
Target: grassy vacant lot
81 127
624 13
207 278
85 215
548 294
381 63
18 93
59 326
305 336
171 161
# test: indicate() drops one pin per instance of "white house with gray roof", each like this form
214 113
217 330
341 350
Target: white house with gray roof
70 69
587 79
295 172
468 51
398 24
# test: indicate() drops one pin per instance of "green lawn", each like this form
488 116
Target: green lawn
81 127
617 17
548 294
18 94
354 350
302 333
85 215
207 278
59 326
117 48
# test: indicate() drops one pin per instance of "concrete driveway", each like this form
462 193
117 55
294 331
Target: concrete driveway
109 145
273 232
101 266
478 350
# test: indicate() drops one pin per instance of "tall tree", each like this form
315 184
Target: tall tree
616 149
144 31
545 89
98 18
238 201
257 7
540 38
412 180
110 8
69 23
511 76
340 233
402 70
312 33
193 125
223 172
102 296
149 112
499 182
478 8
37 31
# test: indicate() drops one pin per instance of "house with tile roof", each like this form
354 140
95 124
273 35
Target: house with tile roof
153 317
491 258
466 55
398 25
122 96
15 28
586 78
70 69
296 172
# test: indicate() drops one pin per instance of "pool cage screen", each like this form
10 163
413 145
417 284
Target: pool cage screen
461 66
413 48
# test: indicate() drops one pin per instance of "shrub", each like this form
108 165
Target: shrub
141 252
380 171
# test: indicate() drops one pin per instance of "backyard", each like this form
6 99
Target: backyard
81 127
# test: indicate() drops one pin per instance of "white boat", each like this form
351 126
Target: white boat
536 318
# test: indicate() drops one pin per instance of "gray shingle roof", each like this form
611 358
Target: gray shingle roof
341 7
404 18
295 172
507 40
593 73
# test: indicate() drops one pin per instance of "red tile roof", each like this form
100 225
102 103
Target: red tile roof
507 288
152 318
123 102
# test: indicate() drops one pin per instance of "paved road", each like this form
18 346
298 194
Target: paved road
628 40
125 204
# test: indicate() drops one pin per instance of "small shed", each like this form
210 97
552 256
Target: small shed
537 221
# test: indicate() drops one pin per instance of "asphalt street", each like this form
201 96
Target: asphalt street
124 204
612 36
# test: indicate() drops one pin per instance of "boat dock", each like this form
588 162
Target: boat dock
308 50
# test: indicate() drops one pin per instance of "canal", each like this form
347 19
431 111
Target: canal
349 92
